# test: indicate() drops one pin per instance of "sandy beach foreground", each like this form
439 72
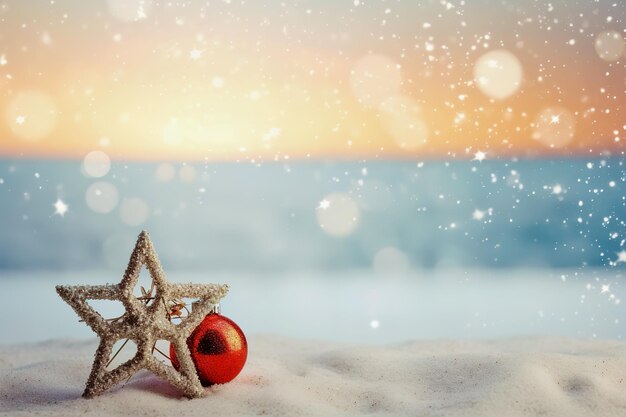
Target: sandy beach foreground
509 377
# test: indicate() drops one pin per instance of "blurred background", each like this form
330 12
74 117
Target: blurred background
362 171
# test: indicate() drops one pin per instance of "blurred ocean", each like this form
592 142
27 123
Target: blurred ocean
429 250
263 218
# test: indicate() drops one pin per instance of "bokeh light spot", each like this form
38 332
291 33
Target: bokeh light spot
129 10
165 172
134 211
375 78
187 173
96 164
610 45
402 119
102 197
341 215
498 74
554 127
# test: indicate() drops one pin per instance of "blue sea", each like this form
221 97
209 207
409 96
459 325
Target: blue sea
239 216
436 249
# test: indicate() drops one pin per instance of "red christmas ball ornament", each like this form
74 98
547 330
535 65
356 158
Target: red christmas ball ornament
218 348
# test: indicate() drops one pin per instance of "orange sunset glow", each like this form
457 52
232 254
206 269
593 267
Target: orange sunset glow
232 81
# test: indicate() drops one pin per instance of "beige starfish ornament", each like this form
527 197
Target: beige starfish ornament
143 323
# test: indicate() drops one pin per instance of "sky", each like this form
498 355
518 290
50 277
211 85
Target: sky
345 80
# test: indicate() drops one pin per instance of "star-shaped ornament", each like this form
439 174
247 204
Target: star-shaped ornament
143 323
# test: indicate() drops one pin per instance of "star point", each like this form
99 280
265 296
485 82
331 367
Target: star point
60 207
324 204
195 54
478 214
480 156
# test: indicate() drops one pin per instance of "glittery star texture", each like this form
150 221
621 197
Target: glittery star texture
143 324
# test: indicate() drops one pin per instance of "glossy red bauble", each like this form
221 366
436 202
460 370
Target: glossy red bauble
218 348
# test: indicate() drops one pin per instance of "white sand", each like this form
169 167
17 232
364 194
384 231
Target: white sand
512 377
